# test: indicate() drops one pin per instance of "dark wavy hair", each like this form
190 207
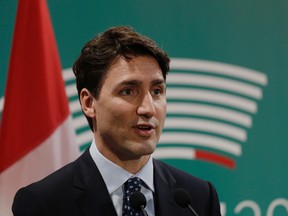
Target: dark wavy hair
101 52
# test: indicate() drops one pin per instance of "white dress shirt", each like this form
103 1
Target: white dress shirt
115 176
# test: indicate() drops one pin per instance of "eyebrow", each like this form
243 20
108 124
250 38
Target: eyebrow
158 81
138 83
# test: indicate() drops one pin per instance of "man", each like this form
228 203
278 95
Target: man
120 78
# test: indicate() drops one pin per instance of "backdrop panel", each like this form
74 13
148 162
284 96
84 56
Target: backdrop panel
227 91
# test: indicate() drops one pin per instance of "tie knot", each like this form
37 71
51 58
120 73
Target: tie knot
132 185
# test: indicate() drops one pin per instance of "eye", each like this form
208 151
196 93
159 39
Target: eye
126 92
157 91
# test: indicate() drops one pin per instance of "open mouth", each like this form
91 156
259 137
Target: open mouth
144 127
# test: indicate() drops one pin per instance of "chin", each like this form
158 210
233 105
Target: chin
148 150
142 148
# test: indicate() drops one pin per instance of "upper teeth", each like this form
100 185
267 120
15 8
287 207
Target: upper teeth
145 127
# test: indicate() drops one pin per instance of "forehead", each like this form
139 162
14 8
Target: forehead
142 68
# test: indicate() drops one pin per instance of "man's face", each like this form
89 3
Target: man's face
130 110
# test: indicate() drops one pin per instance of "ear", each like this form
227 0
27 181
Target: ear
87 101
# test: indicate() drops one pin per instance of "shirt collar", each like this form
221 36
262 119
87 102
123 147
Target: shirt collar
110 170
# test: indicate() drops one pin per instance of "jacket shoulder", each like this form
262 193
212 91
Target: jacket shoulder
52 192
204 197
179 175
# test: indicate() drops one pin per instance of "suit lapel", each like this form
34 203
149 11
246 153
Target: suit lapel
90 192
92 197
163 199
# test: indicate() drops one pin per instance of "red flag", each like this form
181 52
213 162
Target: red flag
35 102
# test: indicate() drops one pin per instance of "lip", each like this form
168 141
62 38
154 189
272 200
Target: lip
142 131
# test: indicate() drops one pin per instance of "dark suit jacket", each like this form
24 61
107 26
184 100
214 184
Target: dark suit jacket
79 189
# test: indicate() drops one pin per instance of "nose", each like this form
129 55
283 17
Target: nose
146 107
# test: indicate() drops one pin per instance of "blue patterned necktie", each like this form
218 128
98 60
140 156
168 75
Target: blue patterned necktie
130 186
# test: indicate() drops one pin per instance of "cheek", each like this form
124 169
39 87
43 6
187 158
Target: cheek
161 111
113 115
104 116
162 107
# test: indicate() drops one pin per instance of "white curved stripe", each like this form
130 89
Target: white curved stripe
71 90
212 96
184 153
202 140
74 106
208 126
219 68
84 137
1 104
210 111
79 122
68 74
215 82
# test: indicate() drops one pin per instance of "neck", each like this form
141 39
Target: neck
132 163
133 166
